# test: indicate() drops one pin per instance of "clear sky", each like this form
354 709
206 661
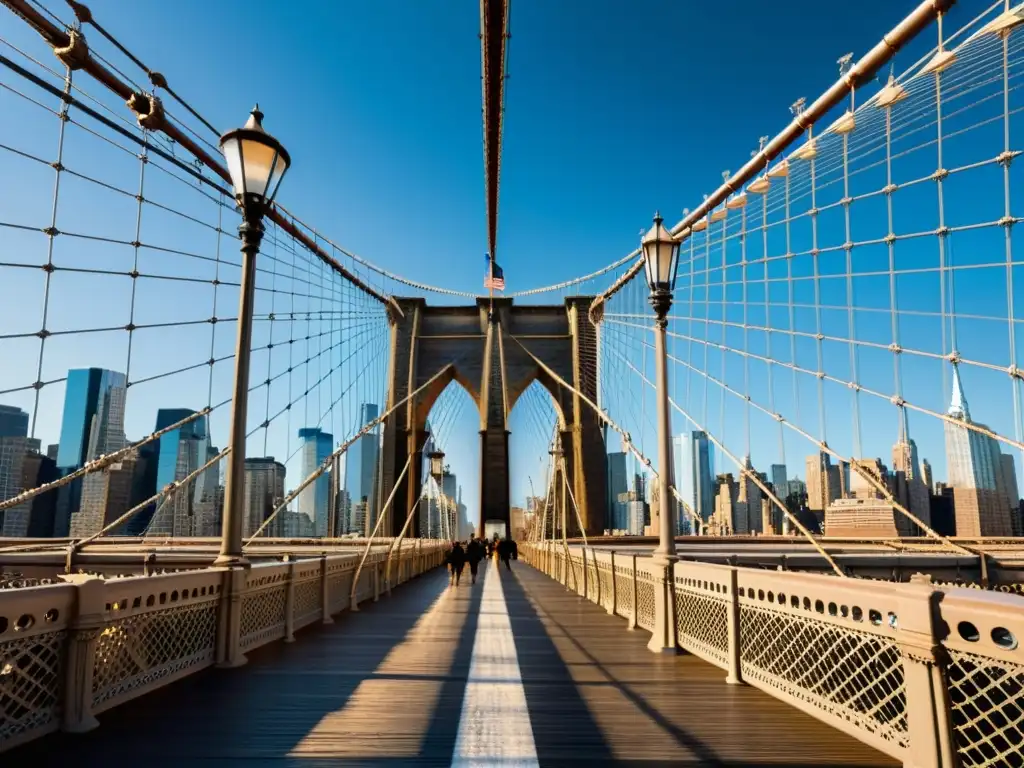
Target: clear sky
613 109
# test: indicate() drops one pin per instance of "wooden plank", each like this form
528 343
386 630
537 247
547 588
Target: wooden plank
386 686
594 689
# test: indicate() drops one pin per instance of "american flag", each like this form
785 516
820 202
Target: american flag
494 278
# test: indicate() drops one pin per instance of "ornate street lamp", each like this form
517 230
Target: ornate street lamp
436 464
256 163
661 257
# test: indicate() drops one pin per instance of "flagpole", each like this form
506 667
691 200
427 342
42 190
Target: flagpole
490 284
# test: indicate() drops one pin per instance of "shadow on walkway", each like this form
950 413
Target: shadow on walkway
380 687
630 705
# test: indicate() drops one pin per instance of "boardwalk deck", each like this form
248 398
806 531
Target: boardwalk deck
392 686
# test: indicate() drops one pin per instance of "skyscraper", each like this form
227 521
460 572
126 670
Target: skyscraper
180 453
14 450
693 474
361 471
92 425
910 488
972 460
264 491
13 422
314 500
617 485
824 482
779 480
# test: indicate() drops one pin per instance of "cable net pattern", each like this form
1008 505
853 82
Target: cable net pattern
134 653
987 700
121 258
31 683
845 304
850 675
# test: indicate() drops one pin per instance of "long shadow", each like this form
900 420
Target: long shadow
258 713
563 728
704 754
697 752
439 743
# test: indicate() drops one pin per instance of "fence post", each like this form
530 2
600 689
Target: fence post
376 582
615 585
325 591
735 675
928 712
663 638
229 621
84 631
583 594
636 590
289 604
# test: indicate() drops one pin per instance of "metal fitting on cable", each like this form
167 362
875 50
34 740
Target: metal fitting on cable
75 54
148 109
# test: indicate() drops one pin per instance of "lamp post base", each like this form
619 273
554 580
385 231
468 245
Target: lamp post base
231 561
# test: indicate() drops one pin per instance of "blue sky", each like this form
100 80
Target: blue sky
610 114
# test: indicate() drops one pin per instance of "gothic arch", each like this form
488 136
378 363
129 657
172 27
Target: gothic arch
484 348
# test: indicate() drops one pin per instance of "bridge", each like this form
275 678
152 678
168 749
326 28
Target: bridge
680 594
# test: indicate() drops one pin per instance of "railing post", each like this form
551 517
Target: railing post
636 596
615 586
928 712
325 591
353 598
663 638
583 594
229 626
376 582
289 605
84 631
735 675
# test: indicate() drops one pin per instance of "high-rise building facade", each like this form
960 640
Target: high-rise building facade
361 470
105 496
13 422
264 491
14 450
910 488
617 485
694 478
824 482
181 452
314 499
92 425
39 470
779 479
975 473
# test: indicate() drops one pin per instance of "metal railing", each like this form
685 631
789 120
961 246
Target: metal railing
70 651
926 673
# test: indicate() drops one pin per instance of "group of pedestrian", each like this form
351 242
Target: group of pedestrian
474 552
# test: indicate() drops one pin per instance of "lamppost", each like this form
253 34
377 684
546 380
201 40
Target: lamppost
256 162
661 252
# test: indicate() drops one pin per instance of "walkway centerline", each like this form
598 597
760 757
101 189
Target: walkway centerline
495 724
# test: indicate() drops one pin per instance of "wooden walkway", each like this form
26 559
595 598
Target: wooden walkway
391 685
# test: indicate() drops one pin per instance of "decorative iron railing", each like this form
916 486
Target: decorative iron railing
929 674
71 650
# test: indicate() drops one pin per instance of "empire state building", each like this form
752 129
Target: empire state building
977 473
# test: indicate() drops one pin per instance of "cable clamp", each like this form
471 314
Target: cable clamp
75 54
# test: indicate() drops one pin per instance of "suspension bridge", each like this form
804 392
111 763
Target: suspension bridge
230 477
